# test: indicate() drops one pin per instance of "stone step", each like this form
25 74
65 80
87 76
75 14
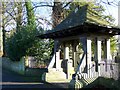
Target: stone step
55 70
89 80
55 76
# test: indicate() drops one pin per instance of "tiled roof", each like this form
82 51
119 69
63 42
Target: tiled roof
77 22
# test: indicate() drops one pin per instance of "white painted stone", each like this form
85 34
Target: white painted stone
58 66
107 49
99 52
89 52
66 51
69 69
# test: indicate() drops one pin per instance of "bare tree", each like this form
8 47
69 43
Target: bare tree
1 46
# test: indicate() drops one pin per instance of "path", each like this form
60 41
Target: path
11 80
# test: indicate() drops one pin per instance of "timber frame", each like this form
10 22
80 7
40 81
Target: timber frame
77 31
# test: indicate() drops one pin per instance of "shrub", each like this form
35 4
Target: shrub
25 43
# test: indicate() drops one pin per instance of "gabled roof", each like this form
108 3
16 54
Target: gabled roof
80 22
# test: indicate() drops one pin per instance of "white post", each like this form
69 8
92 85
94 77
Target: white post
66 51
107 49
88 51
89 64
99 48
98 51
58 60
68 61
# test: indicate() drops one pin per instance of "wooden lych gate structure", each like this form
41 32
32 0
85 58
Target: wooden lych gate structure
81 49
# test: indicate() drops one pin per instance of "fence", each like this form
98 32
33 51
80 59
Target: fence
109 69
106 68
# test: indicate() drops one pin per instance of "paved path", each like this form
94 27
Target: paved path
13 81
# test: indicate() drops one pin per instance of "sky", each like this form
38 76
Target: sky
111 9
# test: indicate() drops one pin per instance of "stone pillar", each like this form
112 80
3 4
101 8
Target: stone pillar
66 51
89 52
98 51
69 62
107 49
57 59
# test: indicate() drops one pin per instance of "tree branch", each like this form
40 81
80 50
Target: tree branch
42 6
11 15
66 5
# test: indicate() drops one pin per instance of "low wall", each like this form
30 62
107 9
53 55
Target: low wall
19 67
16 66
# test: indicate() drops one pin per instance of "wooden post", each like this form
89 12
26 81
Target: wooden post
57 55
107 49
98 51
89 54
69 62
66 51
74 53
58 60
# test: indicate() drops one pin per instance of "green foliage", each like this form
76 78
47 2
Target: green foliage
113 45
30 13
25 43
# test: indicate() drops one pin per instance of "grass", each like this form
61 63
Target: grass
101 82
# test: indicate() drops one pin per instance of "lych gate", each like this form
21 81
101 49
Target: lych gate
80 46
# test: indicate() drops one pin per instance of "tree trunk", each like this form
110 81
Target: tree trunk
1 37
30 13
3 28
57 13
19 15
